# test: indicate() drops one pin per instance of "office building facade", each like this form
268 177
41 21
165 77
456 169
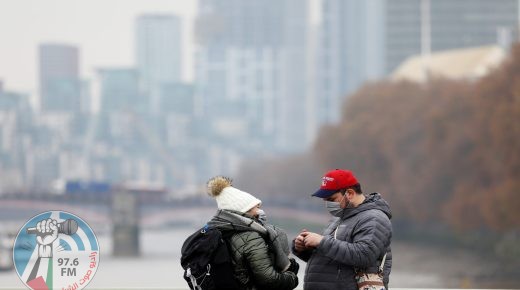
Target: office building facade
449 25
365 40
350 52
60 86
158 53
251 71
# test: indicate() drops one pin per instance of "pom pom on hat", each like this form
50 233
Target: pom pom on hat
230 198
217 184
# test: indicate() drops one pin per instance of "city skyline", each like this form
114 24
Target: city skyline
260 88
106 42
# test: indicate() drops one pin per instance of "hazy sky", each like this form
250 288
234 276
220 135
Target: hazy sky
103 29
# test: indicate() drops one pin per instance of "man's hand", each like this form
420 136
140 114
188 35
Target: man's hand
47 234
299 244
311 240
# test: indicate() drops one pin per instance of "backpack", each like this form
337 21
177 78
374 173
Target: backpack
206 261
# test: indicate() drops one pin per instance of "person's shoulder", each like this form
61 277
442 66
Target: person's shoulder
373 214
246 236
249 241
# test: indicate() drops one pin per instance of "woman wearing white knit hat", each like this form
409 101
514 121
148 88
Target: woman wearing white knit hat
231 198
259 251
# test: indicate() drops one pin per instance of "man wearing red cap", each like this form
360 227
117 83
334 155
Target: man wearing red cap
356 241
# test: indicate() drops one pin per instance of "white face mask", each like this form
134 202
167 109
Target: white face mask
261 215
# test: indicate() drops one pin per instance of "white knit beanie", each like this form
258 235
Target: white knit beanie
230 198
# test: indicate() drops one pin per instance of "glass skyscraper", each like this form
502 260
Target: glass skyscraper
365 40
251 71
60 86
158 53
453 24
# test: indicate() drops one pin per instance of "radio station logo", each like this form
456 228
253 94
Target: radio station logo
56 250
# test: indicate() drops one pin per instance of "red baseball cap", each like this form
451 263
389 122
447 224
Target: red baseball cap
334 181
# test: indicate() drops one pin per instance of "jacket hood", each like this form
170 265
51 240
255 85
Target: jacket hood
227 221
372 201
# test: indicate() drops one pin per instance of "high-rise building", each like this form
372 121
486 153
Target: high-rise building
158 53
60 86
364 40
251 71
350 52
177 98
15 133
415 27
119 91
